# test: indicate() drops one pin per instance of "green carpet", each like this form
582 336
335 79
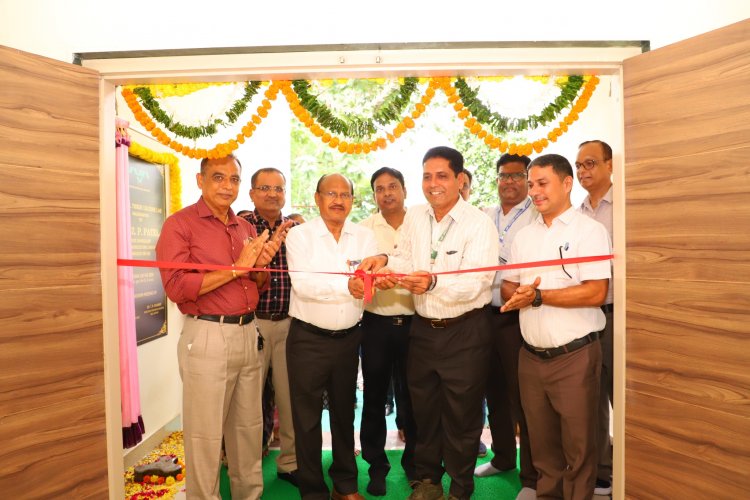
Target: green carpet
501 487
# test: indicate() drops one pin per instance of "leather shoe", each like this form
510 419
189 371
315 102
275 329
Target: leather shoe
335 495
289 476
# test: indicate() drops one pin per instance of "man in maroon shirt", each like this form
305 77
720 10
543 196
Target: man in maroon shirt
219 349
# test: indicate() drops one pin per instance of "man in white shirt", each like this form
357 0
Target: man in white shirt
385 339
514 212
594 171
324 337
560 363
449 338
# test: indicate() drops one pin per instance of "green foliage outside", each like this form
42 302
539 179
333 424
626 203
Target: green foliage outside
311 158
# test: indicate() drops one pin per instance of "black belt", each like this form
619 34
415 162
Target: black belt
271 316
608 308
336 334
399 320
443 323
235 320
553 352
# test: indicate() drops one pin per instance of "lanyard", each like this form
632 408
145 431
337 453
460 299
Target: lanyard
501 237
434 249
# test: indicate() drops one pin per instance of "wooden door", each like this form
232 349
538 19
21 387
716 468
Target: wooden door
687 184
52 418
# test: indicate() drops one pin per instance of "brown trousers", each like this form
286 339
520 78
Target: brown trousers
560 398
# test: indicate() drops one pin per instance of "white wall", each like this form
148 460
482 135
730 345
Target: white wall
58 29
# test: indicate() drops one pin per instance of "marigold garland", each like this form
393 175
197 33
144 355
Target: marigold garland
173 163
178 89
195 131
220 150
527 149
499 124
356 127
455 90
354 147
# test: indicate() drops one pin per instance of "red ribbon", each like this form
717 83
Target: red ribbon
366 277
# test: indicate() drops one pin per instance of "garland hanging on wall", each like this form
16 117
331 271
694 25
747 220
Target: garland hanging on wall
172 162
357 134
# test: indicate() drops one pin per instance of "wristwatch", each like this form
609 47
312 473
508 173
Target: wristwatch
537 298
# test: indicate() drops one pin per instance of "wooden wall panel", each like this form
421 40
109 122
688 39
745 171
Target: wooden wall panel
52 422
687 185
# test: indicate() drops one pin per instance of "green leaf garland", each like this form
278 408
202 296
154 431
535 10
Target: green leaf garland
501 125
195 131
352 126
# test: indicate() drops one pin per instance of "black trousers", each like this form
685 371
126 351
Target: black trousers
504 399
447 374
314 363
385 344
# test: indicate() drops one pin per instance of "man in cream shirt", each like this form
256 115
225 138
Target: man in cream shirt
385 339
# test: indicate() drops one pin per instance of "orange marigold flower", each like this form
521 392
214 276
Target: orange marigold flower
366 148
357 148
487 140
381 143
256 119
350 149
263 112
420 107
415 114
408 122
475 128
538 146
326 137
390 137
482 134
343 147
463 113
458 106
453 98
470 121
512 148
334 142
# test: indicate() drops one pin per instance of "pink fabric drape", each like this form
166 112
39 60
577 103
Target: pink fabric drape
132 422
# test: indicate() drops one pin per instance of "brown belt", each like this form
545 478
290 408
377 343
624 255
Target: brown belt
445 322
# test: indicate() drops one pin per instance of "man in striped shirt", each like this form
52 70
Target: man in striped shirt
450 335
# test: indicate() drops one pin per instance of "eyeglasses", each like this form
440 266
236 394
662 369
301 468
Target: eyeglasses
268 189
331 195
220 178
588 164
515 176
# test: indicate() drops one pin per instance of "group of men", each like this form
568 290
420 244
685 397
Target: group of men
530 340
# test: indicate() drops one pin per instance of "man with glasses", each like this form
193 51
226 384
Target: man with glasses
514 212
561 321
594 170
220 349
272 314
449 338
324 336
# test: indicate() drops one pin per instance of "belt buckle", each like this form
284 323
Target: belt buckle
437 323
398 321
242 318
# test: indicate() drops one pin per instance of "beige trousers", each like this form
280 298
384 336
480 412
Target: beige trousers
222 377
274 353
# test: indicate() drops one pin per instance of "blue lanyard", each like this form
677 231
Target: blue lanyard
501 236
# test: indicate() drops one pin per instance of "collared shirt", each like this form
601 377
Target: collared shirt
508 226
324 299
603 214
578 236
196 235
396 301
470 242
276 298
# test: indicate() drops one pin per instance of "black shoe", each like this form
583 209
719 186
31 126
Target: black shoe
376 486
289 476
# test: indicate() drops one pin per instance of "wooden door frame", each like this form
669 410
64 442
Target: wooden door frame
350 61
